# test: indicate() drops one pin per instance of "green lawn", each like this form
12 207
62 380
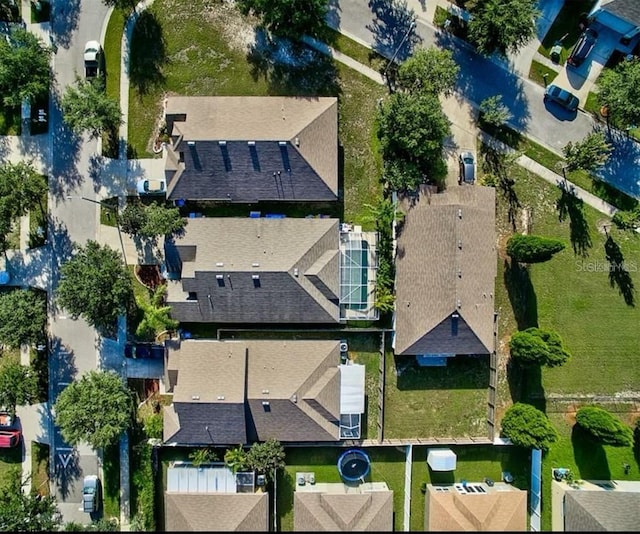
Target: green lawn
474 463
177 51
353 49
39 468
387 465
537 72
427 402
10 458
572 294
112 52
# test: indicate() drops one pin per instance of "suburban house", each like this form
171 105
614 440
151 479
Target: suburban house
337 507
210 497
239 392
244 270
251 149
475 506
595 505
445 275
620 16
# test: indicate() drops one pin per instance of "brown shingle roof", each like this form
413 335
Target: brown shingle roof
498 511
316 511
446 263
231 512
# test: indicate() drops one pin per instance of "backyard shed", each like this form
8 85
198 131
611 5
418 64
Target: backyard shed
441 459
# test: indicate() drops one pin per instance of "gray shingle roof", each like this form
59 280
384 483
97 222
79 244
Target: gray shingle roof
611 511
307 161
445 263
299 381
219 257
628 10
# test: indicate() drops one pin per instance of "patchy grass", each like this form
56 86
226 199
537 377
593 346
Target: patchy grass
537 72
10 121
474 463
40 468
565 28
9 459
430 402
592 104
111 482
354 50
387 465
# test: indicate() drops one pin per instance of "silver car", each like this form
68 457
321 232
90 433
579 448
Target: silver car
467 162
90 494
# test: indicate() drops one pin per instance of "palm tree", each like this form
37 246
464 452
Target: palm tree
236 459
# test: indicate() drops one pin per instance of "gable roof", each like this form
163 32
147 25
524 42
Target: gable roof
316 511
298 380
282 253
628 10
446 263
497 511
294 137
611 511
235 512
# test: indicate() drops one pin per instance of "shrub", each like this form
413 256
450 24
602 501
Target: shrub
532 248
143 482
604 426
535 346
627 220
153 426
527 426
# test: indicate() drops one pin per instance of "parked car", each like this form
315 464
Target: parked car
467 163
582 48
144 350
9 438
92 59
561 96
152 187
90 494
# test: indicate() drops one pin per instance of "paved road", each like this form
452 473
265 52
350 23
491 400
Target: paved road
74 343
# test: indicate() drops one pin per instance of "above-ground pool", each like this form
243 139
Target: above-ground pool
354 465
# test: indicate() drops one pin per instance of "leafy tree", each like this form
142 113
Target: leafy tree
26 512
589 154
385 299
18 385
132 218
620 92
23 317
100 525
502 25
202 456
604 426
627 220
494 112
288 18
236 459
156 317
383 214
153 426
532 248
266 457
535 346
95 409
87 108
25 71
429 69
95 285
412 129
124 5
160 220
526 426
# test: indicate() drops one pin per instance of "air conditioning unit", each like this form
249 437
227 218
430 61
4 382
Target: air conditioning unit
344 346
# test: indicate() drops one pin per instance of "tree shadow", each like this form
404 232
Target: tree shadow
61 247
569 205
624 156
461 372
589 455
498 163
522 295
333 14
291 68
618 274
64 22
148 53
66 470
393 29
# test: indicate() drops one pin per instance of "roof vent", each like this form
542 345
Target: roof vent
460 274
220 397
219 264
265 391
195 397
295 272
222 143
459 304
297 141
251 143
460 244
255 276
459 213
255 264
294 398
265 403
219 276
191 143
282 143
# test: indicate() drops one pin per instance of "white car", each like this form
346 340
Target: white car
151 187
92 59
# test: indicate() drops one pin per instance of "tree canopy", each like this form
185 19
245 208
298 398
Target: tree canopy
288 18
502 25
529 248
412 129
620 92
23 317
429 69
124 5
493 111
604 427
589 154
266 457
87 108
535 346
25 71
95 409
96 285
18 384
526 426
26 512
151 221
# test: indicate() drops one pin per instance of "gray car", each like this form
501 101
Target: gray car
467 163
90 494
562 97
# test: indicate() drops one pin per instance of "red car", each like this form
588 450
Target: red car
9 438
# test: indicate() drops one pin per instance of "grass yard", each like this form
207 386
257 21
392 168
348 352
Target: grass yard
112 53
572 294
537 72
165 61
430 402
474 464
111 482
387 465
10 459
586 460
40 468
